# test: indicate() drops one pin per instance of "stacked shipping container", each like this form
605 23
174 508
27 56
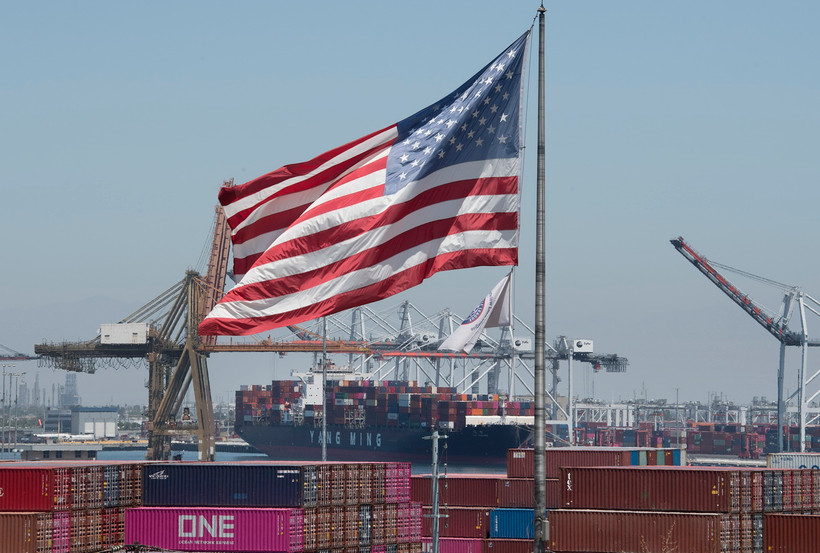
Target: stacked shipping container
65 507
729 504
493 513
277 507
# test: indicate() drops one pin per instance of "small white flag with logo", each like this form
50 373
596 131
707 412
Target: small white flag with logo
494 310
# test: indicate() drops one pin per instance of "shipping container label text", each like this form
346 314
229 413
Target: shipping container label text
216 526
356 439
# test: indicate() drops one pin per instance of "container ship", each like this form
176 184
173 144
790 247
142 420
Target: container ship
371 420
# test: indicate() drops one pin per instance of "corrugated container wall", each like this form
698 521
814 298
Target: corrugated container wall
25 532
461 490
520 462
512 524
502 545
791 533
457 522
224 485
793 460
581 531
215 529
455 545
651 488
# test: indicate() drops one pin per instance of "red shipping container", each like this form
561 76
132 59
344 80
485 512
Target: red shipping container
507 546
216 529
455 545
784 533
34 489
460 490
518 493
458 522
521 462
576 531
698 489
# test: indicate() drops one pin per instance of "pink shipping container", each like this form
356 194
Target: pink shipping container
575 531
652 488
791 533
216 529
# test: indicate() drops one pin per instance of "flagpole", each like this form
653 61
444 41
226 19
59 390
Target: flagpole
324 388
539 427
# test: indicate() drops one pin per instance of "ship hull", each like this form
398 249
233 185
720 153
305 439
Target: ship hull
472 445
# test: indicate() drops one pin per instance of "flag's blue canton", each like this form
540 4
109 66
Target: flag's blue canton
478 121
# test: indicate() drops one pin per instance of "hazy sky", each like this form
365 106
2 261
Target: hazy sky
121 120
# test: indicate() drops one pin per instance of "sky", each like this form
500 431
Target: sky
697 119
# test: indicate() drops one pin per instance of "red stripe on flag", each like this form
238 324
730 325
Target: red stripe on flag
367 294
297 170
417 236
450 191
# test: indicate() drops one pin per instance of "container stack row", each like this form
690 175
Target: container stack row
282 508
701 509
52 507
493 512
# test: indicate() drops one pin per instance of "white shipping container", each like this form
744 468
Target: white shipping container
125 333
793 460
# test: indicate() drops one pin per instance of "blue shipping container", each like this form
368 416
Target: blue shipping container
515 524
228 485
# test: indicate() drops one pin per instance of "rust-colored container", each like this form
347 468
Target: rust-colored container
454 545
25 532
784 533
521 462
457 490
576 531
458 522
517 493
506 546
651 489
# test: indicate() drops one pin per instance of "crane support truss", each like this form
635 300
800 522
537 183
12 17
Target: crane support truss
777 326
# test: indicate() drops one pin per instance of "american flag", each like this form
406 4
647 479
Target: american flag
359 223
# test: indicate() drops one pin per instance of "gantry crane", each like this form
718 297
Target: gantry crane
776 325
174 351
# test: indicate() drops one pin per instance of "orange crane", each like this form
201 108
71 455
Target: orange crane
776 325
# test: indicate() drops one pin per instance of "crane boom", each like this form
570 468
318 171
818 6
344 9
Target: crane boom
775 326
